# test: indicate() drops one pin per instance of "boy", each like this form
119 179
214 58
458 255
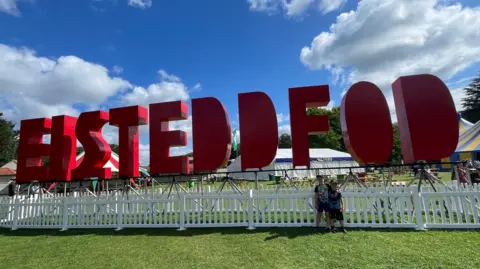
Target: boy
321 202
336 206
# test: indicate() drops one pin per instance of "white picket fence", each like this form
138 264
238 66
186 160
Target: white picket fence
400 207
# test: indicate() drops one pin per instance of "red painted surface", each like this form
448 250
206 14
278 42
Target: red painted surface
426 115
63 148
127 119
97 151
427 118
161 138
364 111
302 125
259 130
212 134
31 150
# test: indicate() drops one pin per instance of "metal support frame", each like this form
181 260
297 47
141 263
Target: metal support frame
352 177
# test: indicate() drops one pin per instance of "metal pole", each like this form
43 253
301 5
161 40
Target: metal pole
256 180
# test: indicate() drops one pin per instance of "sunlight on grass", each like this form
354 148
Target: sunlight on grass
238 248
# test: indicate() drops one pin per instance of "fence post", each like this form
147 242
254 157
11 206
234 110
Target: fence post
15 213
417 205
119 203
65 214
181 201
250 210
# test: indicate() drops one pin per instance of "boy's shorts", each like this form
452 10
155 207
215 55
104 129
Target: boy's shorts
323 207
336 214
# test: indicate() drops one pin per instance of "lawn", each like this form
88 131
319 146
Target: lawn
238 248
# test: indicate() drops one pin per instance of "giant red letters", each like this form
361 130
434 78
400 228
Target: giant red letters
427 118
259 130
161 139
127 119
367 133
425 110
31 150
97 151
302 125
63 148
212 134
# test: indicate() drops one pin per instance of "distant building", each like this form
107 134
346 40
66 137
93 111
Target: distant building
7 176
12 165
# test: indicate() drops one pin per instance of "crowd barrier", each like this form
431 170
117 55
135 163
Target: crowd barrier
455 206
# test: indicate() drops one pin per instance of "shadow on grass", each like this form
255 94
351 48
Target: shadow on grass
271 233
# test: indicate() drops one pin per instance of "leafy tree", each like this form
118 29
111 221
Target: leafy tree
471 102
8 141
331 139
285 141
396 156
115 148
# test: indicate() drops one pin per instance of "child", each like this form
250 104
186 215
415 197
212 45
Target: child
321 201
336 206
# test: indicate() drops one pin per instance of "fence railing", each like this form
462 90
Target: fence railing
376 208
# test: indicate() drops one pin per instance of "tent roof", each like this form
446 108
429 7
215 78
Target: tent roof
285 155
463 124
112 163
470 139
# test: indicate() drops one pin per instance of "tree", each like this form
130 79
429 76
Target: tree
115 148
471 102
396 156
285 141
333 138
8 141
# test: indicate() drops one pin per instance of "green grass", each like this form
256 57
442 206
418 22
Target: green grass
237 248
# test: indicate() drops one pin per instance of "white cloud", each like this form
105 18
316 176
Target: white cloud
458 94
263 5
330 105
170 88
117 69
385 39
33 86
284 129
9 7
327 6
143 4
281 118
296 7
293 8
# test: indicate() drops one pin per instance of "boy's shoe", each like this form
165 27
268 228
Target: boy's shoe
343 230
333 230
328 230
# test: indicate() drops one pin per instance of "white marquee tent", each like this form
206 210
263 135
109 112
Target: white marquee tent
319 158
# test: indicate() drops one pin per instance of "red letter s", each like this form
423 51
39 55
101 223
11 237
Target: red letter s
97 150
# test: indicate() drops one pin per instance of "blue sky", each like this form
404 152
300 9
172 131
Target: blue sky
221 48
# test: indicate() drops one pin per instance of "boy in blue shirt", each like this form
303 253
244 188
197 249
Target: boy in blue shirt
336 206
321 202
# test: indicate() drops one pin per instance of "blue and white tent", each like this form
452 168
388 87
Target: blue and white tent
319 158
468 147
